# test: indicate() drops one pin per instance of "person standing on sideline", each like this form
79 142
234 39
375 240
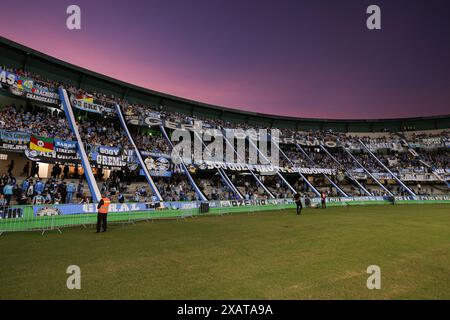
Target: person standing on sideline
323 196
298 202
102 208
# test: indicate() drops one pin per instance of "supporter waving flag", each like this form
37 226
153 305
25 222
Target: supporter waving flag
42 144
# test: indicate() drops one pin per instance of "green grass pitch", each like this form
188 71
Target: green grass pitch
323 254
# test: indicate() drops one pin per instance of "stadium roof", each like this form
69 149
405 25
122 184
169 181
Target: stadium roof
16 55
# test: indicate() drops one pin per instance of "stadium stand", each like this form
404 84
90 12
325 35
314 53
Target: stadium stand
400 157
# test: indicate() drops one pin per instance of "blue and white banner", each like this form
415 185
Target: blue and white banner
351 199
146 153
182 205
89 106
112 157
7 78
157 167
29 88
41 93
425 198
71 209
15 136
14 140
66 209
255 202
64 152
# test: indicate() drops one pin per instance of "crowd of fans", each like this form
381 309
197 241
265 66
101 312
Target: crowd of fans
214 188
151 143
16 119
104 133
176 188
437 159
143 110
36 191
248 187
424 137
53 86
107 131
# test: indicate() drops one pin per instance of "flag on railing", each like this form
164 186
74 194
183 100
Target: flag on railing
85 97
42 144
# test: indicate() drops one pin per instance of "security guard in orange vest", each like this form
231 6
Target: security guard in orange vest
102 208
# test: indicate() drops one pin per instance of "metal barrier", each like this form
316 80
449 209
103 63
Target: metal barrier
56 217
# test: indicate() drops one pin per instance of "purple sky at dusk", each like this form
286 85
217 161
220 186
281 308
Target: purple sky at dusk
298 58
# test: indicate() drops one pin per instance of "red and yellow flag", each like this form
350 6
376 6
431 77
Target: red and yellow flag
42 144
88 98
